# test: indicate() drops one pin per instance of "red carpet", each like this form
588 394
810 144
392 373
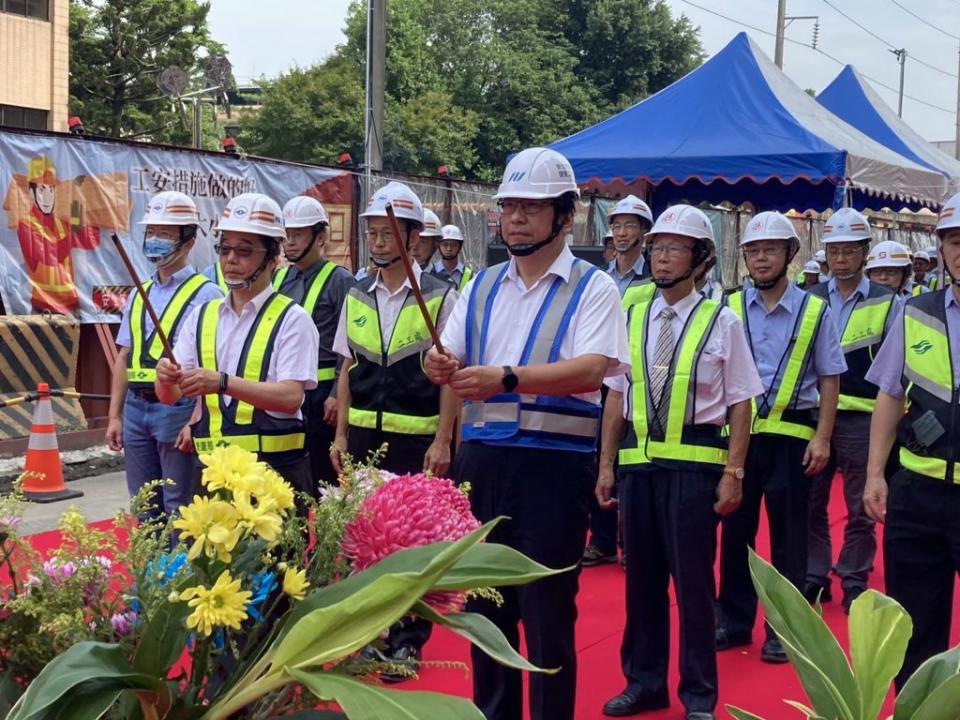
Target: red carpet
744 680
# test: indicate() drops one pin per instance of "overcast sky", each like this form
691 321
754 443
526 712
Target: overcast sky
266 38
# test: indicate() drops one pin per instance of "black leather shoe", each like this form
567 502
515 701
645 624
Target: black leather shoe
632 703
728 640
695 715
813 589
849 595
773 652
405 655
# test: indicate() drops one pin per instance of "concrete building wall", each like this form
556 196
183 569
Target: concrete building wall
35 63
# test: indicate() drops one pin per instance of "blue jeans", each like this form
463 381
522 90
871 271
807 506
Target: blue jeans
150 430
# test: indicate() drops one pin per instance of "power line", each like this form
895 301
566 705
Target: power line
817 49
910 12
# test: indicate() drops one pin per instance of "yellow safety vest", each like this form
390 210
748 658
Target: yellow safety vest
309 303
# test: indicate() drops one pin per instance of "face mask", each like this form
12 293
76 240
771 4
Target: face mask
159 251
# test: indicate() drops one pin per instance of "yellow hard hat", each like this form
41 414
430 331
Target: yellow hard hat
42 171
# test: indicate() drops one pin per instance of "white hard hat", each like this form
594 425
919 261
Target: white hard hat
683 220
171 208
632 205
820 256
451 232
846 225
812 266
537 173
253 213
949 217
303 211
888 254
768 225
932 255
608 235
431 224
406 204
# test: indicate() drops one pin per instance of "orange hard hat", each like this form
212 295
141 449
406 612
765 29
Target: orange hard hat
42 171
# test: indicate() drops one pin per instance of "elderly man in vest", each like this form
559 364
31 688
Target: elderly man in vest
863 311
918 370
146 429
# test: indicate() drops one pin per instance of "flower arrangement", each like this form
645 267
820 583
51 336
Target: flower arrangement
260 611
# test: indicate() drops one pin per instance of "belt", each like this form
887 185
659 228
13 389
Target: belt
146 393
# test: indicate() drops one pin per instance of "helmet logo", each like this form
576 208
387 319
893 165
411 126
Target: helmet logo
158 207
757 226
240 211
669 217
516 176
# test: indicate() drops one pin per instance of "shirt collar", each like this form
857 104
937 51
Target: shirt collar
255 304
438 266
683 308
417 272
178 277
637 268
863 288
951 299
560 267
789 301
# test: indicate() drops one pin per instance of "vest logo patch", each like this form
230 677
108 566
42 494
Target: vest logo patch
360 321
922 347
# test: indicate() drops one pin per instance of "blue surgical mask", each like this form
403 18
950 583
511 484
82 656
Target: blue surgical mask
159 250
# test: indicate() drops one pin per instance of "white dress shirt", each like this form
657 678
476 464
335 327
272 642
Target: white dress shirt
597 327
295 349
725 374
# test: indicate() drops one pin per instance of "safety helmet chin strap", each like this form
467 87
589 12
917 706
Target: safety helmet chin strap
314 234
380 263
700 257
254 276
527 249
792 249
454 256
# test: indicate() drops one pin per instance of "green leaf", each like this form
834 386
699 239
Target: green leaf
928 677
333 632
361 701
10 692
493 565
813 650
84 706
738 714
943 703
164 637
809 713
483 633
316 715
879 632
86 665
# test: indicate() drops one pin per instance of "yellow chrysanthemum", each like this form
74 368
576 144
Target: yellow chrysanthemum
277 489
223 605
295 583
259 516
213 524
230 468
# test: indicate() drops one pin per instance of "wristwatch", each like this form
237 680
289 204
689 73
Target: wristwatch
509 380
736 472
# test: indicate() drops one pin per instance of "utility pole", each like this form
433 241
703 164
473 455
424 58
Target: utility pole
781 30
376 72
956 137
902 58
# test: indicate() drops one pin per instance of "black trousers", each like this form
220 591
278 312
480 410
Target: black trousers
670 531
545 494
774 473
604 524
921 554
404 455
319 438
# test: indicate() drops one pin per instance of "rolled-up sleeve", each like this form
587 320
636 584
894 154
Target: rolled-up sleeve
741 381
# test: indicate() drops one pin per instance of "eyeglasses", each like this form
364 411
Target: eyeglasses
755 252
626 227
241 251
843 252
886 271
529 207
385 235
673 251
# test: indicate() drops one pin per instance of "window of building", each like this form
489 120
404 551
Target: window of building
19 117
39 9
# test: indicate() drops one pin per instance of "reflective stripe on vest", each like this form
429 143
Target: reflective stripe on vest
389 390
642 292
685 358
797 355
221 280
310 299
465 278
930 387
536 421
141 367
279 276
917 290
253 367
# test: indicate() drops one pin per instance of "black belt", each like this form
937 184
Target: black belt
145 393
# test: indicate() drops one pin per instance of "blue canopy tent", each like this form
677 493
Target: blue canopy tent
851 98
738 129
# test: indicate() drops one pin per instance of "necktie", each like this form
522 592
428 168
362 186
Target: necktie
660 371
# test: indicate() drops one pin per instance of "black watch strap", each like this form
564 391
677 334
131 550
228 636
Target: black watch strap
510 380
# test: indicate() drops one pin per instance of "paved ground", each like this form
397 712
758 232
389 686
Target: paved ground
103 496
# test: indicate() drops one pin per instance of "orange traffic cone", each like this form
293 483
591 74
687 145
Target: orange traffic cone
43 473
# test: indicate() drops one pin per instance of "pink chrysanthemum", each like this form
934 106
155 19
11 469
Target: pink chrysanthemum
410 511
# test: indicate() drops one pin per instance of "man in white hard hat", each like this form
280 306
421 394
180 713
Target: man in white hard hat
383 394
320 286
250 357
821 257
629 221
145 429
795 345
889 264
863 311
529 344
920 267
425 247
935 279
450 266
609 250
918 372
691 370
704 282
810 275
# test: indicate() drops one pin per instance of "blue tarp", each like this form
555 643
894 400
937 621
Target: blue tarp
738 129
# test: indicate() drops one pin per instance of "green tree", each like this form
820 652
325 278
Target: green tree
118 48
